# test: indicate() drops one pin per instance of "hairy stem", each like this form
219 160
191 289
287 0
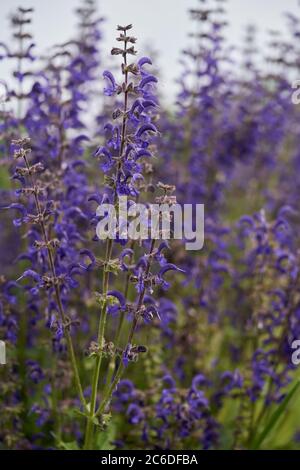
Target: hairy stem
57 294
88 443
100 339
111 365
107 397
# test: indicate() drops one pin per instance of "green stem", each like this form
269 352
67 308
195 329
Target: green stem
101 329
107 396
88 443
113 385
57 294
111 365
55 401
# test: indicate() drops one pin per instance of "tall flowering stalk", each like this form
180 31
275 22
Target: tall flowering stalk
122 160
43 242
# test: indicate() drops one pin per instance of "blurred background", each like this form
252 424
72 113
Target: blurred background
218 373
162 25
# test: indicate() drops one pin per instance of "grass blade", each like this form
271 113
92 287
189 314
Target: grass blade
275 417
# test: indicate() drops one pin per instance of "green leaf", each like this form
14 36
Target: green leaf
65 445
77 412
68 445
105 437
274 418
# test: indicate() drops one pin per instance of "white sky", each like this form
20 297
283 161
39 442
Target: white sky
162 23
